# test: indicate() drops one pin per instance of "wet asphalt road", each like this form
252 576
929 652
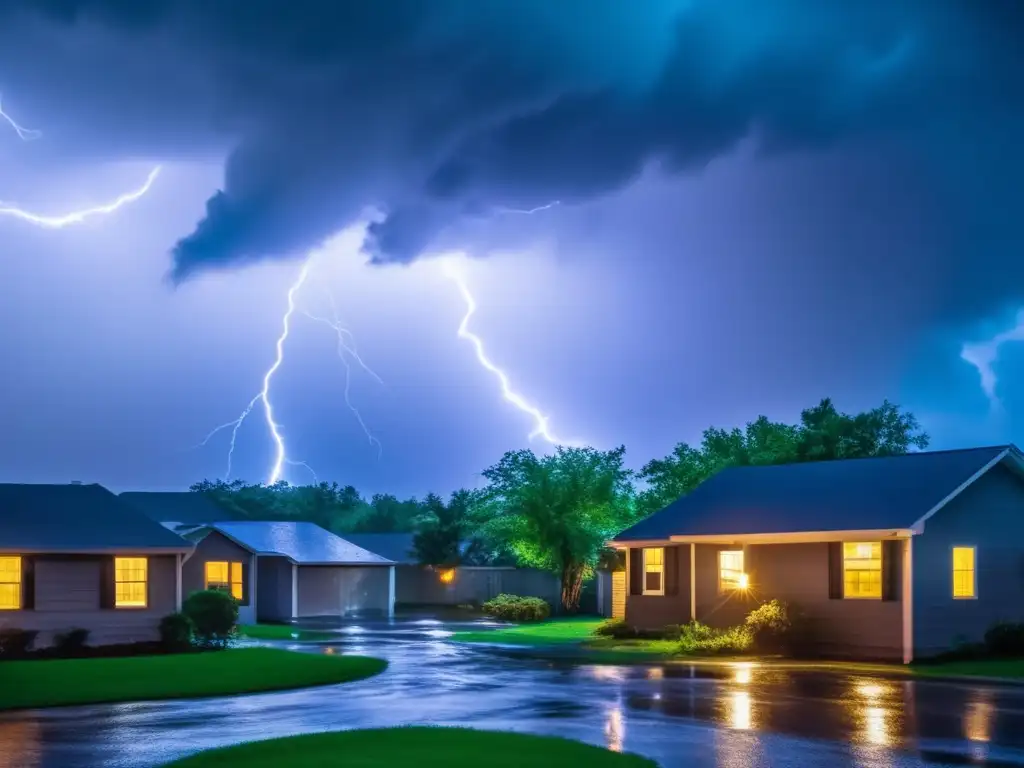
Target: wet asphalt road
736 716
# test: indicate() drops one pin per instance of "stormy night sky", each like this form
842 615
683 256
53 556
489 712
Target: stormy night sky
759 205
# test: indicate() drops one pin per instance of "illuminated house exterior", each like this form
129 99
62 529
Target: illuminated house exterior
891 558
77 557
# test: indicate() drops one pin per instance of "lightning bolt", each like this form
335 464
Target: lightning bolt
77 217
25 134
528 211
540 421
983 355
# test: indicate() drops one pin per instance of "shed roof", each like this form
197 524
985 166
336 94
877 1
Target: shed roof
301 542
76 518
892 492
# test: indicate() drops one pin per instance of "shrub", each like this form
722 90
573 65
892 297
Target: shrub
516 608
697 638
176 631
16 643
617 628
1005 639
769 626
72 642
214 614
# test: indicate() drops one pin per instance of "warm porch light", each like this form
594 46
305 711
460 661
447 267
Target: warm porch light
744 582
447 576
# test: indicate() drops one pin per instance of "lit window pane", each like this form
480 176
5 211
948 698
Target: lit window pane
654 570
963 572
10 583
730 569
130 579
862 569
10 597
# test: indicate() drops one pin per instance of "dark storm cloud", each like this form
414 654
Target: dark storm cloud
434 110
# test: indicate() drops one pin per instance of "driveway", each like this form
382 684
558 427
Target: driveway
738 716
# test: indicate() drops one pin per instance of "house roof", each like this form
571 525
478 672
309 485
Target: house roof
76 518
894 492
181 508
302 543
393 546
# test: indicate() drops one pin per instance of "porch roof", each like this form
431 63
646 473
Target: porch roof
890 493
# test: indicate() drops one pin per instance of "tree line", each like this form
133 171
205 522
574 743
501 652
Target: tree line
557 511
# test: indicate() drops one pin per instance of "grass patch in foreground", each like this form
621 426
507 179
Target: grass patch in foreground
62 682
554 632
282 632
422 747
1009 668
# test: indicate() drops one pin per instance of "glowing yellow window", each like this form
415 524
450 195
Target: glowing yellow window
130 582
10 583
226 576
730 571
862 569
964 581
654 571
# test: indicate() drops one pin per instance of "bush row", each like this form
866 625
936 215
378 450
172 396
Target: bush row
516 608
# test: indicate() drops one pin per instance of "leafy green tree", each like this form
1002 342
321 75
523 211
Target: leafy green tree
556 512
823 433
443 529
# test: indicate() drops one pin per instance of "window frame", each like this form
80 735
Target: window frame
228 586
145 584
658 568
19 572
725 587
880 570
973 571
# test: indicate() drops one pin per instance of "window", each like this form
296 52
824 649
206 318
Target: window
862 569
10 583
654 571
964 583
730 571
226 576
130 582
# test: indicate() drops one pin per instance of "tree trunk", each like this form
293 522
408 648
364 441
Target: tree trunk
572 585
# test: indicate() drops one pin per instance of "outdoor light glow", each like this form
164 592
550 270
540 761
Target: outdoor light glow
447 576
744 581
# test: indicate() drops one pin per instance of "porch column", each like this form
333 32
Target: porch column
693 581
391 592
907 595
295 591
177 582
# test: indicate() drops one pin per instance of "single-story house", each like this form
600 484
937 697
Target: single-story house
897 558
78 557
420 585
281 571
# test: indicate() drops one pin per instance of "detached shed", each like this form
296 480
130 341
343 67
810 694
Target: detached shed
290 570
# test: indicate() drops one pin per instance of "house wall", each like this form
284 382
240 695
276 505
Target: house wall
273 588
329 590
218 548
795 573
988 515
419 585
67 596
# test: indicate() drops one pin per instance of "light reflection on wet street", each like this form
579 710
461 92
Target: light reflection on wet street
739 715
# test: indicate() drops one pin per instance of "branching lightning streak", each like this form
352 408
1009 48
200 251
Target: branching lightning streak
346 349
77 217
538 209
25 134
540 421
983 355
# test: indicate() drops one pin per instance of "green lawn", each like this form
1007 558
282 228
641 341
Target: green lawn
982 668
282 632
142 678
552 632
421 747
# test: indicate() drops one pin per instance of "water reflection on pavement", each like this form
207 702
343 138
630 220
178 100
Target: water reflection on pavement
736 716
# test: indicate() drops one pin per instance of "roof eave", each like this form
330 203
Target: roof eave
127 550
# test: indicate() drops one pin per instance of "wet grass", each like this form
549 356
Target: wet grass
422 747
282 632
1007 668
25 684
554 632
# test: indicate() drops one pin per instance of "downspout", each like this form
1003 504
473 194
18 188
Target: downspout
180 560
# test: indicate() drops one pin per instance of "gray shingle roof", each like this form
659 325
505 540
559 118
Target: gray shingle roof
183 507
74 518
850 494
302 543
393 546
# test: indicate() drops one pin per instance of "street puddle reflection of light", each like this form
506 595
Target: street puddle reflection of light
441 633
614 729
352 630
427 622
978 720
741 711
743 672
876 722
655 673
607 674
19 744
